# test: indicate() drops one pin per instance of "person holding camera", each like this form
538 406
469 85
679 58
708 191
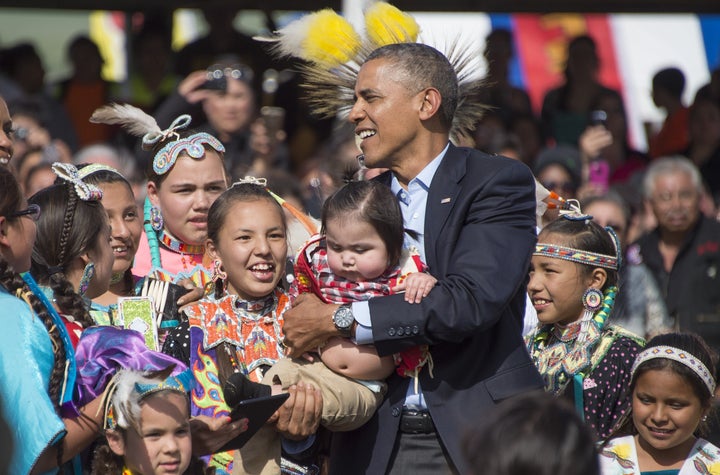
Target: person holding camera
222 100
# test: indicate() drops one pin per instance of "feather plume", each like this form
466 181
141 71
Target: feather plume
124 397
134 120
324 38
386 24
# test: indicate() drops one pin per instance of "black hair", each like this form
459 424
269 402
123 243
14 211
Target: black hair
536 434
688 342
423 66
586 236
671 80
373 203
69 227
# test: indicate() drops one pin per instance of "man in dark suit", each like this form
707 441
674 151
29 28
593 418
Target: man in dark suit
475 215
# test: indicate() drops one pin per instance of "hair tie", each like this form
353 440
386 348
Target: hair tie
69 173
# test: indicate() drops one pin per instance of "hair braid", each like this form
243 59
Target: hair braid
69 301
67 222
14 284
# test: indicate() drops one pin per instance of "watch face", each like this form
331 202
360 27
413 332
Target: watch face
343 318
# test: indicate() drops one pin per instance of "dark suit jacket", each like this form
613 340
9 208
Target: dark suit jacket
479 237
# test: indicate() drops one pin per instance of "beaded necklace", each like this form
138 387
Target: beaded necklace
174 244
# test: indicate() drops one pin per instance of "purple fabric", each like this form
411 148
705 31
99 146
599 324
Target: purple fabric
103 350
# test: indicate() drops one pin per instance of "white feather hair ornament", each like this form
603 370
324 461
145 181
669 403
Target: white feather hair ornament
134 120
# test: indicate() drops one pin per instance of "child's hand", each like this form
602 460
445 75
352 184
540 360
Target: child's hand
416 286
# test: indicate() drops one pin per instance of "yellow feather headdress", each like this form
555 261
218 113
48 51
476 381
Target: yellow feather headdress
333 53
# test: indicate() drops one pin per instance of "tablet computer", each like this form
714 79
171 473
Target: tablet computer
257 411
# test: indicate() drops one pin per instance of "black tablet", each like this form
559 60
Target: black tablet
257 411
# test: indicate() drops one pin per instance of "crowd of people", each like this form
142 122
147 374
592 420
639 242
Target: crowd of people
532 297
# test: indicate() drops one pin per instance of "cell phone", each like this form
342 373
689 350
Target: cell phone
215 84
257 411
599 174
274 118
598 117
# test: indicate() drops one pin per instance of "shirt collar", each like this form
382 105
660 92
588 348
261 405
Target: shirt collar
424 178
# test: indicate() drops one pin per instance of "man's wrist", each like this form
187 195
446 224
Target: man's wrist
344 321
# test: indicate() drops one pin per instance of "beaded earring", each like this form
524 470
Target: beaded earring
156 219
87 275
218 273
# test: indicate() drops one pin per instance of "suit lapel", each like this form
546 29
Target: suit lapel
442 197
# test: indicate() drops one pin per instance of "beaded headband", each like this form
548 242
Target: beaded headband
69 173
91 168
129 387
681 356
576 255
192 145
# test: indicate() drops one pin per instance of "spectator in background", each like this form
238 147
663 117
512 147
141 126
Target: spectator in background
609 141
683 252
7 146
150 79
230 106
532 434
667 88
529 133
566 109
22 64
639 306
38 177
508 100
704 147
85 90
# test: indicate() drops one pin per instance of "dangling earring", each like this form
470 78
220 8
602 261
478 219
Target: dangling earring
87 275
592 301
156 219
218 273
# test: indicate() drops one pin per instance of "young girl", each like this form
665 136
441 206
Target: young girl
125 221
147 425
37 365
73 259
672 388
238 328
186 174
573 283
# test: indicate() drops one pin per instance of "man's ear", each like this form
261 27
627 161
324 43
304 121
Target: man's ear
115 442
152 193
431 103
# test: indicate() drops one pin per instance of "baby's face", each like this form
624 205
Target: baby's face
355 250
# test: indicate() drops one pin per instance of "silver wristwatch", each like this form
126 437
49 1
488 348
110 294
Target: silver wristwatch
343 319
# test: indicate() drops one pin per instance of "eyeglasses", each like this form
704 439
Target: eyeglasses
33 211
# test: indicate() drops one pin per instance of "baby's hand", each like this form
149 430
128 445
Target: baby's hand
417 286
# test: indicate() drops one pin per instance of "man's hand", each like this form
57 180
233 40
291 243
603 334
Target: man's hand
308 325
299 417
210 434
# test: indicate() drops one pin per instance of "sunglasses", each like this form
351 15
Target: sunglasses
33 211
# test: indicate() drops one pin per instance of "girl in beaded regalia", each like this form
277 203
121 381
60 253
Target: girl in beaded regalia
185 177
672 387
573 283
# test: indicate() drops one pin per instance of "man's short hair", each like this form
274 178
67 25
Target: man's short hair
668 166
423 66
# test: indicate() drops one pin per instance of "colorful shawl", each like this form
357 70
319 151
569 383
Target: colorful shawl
619 457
